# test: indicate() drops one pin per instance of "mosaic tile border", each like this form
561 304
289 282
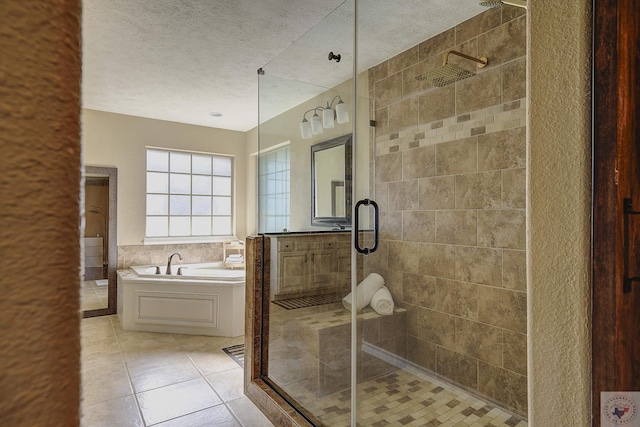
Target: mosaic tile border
492 119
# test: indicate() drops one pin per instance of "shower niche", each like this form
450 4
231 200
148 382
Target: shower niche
442 159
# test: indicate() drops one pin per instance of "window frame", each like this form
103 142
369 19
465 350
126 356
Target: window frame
190 238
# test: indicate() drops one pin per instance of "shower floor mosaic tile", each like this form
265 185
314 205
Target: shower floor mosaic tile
404 398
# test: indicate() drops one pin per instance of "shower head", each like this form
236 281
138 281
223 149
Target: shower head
499 3
450 73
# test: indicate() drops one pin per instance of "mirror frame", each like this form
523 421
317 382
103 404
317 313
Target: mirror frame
345 140
112 239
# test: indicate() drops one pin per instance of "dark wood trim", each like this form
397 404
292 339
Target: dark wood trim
604 197
274 406
615 118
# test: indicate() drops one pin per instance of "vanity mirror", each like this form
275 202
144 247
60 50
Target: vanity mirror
331 182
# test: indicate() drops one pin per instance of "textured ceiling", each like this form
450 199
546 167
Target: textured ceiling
180 60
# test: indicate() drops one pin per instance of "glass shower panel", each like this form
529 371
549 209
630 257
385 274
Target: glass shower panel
304 174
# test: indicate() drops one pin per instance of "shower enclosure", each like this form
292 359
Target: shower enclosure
394 209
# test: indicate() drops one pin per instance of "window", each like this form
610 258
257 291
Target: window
188 194
274 190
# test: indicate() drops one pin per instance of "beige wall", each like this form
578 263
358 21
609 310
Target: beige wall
40 213
117 140
558 222
286 128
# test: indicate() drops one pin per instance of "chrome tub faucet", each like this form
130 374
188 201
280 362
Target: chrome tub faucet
169 261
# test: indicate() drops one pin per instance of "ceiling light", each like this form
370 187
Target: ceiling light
215 114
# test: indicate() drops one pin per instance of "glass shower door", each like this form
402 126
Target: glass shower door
306 186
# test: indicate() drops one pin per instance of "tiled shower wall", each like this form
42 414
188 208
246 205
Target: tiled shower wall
450 182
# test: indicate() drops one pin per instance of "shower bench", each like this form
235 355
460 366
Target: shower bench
326 337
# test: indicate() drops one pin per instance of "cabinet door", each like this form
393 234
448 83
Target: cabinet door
293 272
322 275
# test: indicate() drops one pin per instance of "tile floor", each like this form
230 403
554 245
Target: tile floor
93 296
397 397
164 380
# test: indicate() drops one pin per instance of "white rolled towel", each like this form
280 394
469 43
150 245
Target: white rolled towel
364 292
382 302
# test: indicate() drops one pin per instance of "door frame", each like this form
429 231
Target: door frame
614 107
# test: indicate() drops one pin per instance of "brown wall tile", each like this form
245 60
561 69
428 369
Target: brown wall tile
504 386
514 274
437 104
421 352
504 43
480 341
502 150
457 298
456 227
514 82
455 157
390 227
380 71
514 188
404 60
389 90
419 290
437 193
404 256
481 91
437 260
503 308
382 120
389 167
438 44
403 195
403 114
515 352
500 229
460 368
478 24
420 226
479 191
479 265
419 163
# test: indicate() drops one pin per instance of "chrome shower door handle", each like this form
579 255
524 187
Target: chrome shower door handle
366 202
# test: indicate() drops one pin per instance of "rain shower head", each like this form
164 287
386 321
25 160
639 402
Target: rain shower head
450 73
499 3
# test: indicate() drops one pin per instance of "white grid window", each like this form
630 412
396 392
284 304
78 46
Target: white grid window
188 194
274 190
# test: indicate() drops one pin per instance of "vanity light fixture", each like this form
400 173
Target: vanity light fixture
330 114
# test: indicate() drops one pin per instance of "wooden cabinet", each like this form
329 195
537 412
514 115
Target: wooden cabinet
310 264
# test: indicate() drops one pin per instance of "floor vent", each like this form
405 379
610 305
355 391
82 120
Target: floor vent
236 352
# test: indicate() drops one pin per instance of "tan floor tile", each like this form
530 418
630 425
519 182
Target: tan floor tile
218 416
122 411
248 414
228 384
108 386
155 375
163 404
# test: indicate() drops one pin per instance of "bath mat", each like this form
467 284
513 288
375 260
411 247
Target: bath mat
292 303
102 282
236 352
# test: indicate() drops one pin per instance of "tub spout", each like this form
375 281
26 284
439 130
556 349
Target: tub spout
169 261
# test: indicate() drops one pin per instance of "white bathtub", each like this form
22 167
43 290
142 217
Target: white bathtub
207 299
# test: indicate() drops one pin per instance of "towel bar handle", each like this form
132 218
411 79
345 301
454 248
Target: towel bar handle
366 202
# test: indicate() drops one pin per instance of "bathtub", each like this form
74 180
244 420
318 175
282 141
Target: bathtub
206 299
